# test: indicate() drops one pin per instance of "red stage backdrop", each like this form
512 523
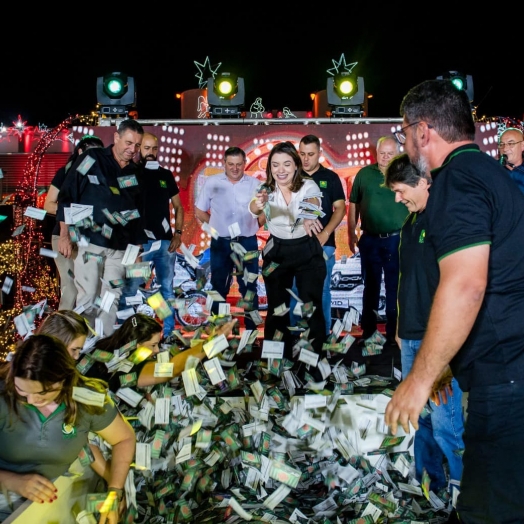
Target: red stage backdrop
193 152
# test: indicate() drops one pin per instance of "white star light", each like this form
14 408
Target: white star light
202 74
341 64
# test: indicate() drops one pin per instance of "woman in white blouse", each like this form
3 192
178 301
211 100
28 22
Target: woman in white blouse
292 250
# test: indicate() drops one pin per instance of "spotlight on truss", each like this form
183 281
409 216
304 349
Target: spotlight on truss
115 94
345 94
225 95
460 81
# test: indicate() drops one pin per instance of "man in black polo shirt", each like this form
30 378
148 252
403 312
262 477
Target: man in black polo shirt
159 192
334 207
475 224
106 179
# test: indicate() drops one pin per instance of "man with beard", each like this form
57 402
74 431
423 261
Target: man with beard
475 225
334 207
106 179
159 192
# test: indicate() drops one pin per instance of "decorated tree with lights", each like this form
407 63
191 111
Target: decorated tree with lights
20 258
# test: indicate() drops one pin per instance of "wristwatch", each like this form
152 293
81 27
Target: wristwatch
119 492
178 231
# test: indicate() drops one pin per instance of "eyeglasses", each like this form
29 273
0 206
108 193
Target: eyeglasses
511 145
400 135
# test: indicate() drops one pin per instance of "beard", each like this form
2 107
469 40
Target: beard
147 158
419 160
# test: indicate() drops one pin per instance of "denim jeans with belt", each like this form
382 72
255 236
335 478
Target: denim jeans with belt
440 433
223 267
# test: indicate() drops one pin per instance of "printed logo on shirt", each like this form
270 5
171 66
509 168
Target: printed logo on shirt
422 236
127 181
163 183
323 183
68 430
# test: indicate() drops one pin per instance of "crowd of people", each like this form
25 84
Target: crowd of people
439 223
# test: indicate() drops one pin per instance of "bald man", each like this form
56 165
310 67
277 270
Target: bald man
511 149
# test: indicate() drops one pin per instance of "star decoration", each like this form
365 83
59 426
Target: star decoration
205 71
71 138
42 128
341 65
18 127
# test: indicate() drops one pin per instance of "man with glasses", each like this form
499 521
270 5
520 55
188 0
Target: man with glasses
475 225
511 149
380 221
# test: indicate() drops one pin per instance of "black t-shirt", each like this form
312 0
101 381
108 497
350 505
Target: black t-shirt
158 187
58 181
418 279
105 186
332 190
473 201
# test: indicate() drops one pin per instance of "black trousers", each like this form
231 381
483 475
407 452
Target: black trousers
492 481
301 259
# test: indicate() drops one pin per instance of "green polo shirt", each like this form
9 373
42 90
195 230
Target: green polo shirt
34 443
379 213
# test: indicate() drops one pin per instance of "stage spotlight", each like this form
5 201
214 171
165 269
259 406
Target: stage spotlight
460 81
115 93
345 94
225 95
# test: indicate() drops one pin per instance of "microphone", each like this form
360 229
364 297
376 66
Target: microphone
503 160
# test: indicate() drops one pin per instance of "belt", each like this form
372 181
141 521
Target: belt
385 235
234 239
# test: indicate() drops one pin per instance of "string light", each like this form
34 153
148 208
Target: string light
20 258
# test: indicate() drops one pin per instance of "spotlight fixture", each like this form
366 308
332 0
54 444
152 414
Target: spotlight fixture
461 81
345 94
115 93
225 95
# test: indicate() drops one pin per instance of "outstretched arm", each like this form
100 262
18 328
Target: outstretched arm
147 374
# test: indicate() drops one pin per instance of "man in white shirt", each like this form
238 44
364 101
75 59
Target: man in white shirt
223 204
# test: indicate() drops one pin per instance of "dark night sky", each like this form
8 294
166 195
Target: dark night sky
283 56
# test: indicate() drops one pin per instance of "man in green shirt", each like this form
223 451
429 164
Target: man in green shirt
381 219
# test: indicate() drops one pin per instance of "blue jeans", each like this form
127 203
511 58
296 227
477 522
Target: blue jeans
223 267
440 433
329 252
377 256
164 263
